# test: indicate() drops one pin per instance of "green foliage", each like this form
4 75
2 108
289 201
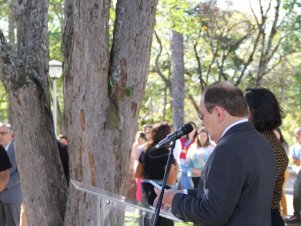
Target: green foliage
223 41
229 34
3 104
291 26
153 105
55 24
128 92
4 9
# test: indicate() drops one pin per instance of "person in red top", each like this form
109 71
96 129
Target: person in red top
185 181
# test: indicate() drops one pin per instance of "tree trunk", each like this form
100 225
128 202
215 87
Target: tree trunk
26 81
103 94
177 70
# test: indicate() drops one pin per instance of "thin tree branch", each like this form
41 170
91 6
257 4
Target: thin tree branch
162 76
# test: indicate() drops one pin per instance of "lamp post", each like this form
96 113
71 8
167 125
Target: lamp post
55 71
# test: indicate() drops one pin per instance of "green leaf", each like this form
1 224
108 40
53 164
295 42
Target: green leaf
128 92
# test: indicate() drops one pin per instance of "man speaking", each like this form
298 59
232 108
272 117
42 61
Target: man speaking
236 187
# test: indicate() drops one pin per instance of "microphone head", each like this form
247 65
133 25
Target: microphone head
187 128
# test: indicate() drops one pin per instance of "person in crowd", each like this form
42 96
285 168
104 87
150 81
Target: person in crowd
146 129
137 148
4 166
152 166
185 180
64 156
63 139
236 187
296 155
198 154
11 196
265 114
283 202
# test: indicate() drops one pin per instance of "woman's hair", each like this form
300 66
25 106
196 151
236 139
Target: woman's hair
198 142
141 134
158 132
282 140
264 108
193 131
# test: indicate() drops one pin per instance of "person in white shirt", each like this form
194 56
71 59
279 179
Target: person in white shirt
198 154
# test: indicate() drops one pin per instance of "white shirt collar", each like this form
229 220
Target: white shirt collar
233 124
7 146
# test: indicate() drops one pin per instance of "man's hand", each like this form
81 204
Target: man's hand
167 198
196 172
4 176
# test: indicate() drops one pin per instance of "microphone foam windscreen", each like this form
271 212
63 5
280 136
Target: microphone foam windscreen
187 128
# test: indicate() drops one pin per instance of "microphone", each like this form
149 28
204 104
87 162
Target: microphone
187 128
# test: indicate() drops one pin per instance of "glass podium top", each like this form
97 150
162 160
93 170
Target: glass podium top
122 203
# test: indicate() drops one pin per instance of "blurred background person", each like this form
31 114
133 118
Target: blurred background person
198 154
152 165
63 139
137 148
265 114
4 166
283 202
185 181
146 129
11 196
296 155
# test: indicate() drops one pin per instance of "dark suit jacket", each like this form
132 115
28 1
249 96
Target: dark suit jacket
237 186
12 194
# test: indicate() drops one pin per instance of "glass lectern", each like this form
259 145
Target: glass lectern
106 200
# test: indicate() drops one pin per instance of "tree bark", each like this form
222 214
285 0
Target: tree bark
177 71
25 78
103 93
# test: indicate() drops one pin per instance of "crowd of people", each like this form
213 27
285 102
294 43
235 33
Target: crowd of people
231 169
12 208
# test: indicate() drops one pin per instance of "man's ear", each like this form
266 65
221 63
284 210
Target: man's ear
220 114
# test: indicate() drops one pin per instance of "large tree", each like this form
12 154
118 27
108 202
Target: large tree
25 77
103 91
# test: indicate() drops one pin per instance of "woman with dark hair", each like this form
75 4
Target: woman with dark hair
152 166
280 137
198 154
266 115
283 202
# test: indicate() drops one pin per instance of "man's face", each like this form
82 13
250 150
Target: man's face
208 121
5 136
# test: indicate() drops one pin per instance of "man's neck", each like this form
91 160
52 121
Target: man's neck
232 121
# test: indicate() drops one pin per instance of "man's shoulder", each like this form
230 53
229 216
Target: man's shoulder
240 134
